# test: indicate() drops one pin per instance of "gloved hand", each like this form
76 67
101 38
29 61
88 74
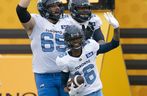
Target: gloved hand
111 19
73 91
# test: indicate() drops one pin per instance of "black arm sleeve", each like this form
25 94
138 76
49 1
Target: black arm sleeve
64 78
97 35
23 15
108 46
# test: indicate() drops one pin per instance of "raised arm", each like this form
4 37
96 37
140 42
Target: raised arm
24 16
113 21
115 40
98 36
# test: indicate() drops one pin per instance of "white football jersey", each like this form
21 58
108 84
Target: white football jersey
95 20
84 65
47 43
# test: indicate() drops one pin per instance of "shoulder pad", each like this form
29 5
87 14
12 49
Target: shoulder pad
65 16
93 15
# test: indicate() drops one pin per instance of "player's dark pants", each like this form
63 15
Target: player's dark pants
49 84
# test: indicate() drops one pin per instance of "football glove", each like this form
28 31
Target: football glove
73 91
111 19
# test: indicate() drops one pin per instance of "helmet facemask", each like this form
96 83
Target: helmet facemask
81 11
45 8
75 43
74 37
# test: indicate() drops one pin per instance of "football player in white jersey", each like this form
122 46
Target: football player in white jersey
80 59
81 15
45 30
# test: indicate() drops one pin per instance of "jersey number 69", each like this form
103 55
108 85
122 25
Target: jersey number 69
51 42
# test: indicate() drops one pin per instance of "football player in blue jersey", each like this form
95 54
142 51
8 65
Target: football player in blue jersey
80 59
